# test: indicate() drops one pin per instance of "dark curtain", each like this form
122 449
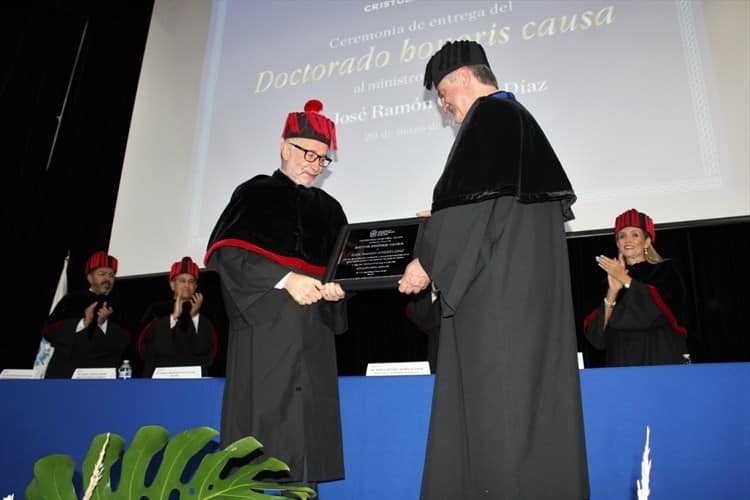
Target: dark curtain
64 204
61 184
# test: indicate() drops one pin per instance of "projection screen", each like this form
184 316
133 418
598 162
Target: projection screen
645 103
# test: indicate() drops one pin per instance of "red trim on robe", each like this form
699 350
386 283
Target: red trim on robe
143 334
294 262
591 317
666 310
51 326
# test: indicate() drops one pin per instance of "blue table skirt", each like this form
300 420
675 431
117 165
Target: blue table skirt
699 417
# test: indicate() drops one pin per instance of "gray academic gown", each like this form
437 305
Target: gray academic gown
281 377
506 418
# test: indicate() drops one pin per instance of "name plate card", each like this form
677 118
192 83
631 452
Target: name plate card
94 373
19 373
394 369
371 255
177 372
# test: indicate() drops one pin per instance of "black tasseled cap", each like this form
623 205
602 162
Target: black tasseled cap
450 57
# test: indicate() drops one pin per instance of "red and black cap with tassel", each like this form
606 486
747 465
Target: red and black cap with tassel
311 124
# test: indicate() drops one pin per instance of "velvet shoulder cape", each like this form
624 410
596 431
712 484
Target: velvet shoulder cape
293 225
501 150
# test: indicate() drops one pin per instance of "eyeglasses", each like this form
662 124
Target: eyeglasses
312 156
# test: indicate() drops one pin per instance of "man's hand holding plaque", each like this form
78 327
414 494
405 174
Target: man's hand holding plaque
415 279
306 290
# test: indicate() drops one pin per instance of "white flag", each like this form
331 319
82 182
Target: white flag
45 348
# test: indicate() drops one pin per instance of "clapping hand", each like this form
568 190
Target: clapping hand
196 301
617 274
101 315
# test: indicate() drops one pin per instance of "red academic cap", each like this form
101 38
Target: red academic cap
185 266
634 218
310 124
100 259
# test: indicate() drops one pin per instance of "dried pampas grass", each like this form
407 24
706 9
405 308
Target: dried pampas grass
96 474
642 484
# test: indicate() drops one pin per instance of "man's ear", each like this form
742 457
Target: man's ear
285 150
464 75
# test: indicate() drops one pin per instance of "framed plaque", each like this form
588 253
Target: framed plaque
371 255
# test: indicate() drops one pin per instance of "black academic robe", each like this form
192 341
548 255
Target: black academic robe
424 312
88 348
646 326
161 345
506 420
281 378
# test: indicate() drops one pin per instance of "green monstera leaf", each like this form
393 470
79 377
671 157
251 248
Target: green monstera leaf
53 475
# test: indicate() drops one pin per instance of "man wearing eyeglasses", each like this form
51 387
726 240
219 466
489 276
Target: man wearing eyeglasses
270 248
506 416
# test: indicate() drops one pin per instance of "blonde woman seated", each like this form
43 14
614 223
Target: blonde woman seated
640 320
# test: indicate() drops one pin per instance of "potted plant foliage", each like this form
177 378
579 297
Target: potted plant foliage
53 475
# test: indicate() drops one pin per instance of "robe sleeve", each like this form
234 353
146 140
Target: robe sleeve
334 314
424 312
81 343
60 327
249 280
206 340
449 247
593 327
62 332
69 307
645 303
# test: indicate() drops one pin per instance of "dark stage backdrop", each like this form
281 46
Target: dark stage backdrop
79 65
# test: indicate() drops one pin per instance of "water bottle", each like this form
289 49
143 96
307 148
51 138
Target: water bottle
125 371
